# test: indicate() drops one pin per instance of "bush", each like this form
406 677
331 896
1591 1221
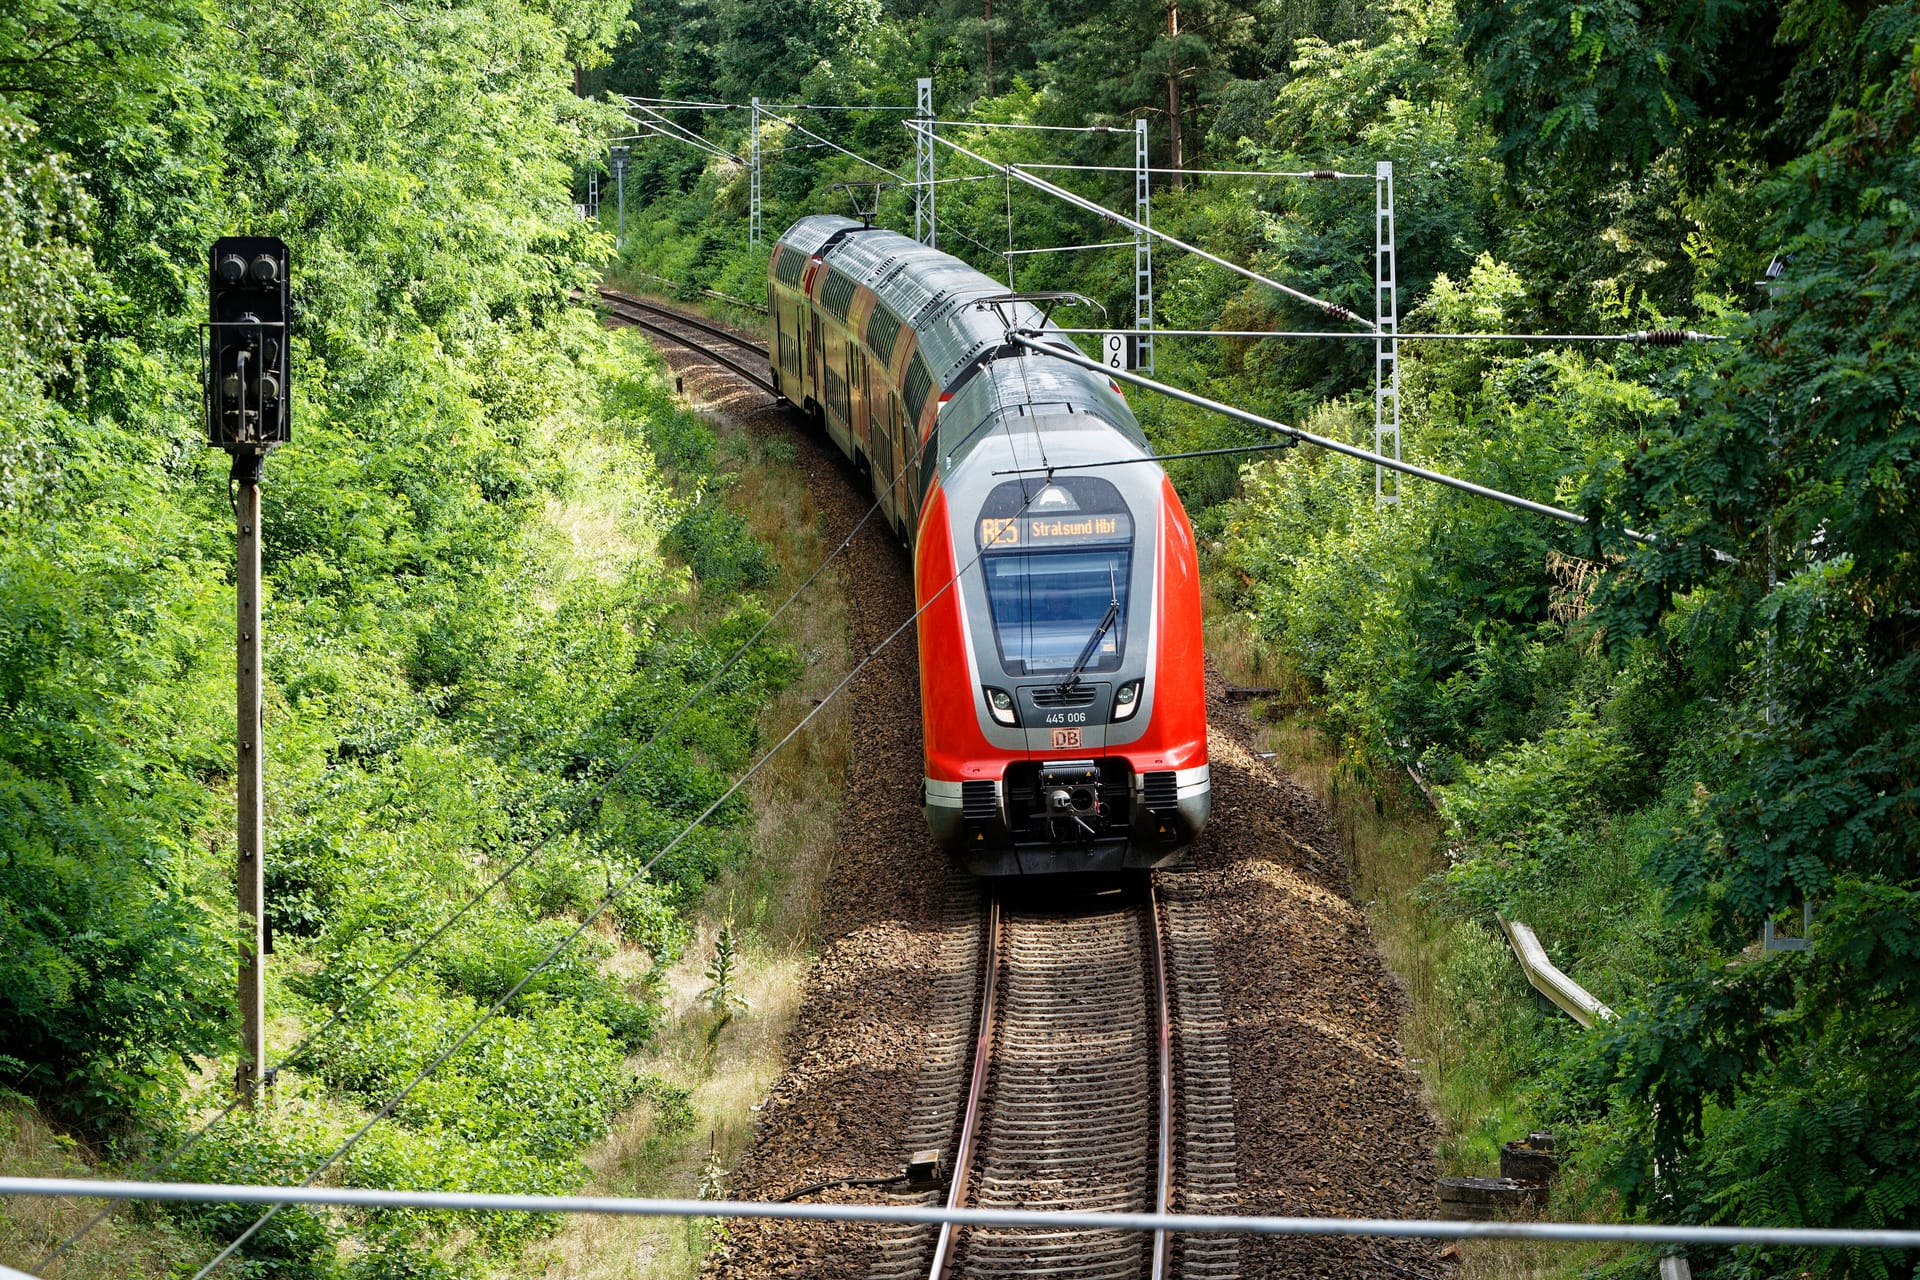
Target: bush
717 545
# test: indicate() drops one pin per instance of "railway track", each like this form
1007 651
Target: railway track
1088 1091
1075 1057
691 332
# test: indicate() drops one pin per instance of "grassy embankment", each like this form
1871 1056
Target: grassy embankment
683 1144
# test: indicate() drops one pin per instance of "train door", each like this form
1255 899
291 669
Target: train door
782 341
774 310
858 419
882 439
897 461
787 329
833 375
816 394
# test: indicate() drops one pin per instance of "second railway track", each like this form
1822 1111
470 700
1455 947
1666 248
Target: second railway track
692 333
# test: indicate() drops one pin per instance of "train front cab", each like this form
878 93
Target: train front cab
1029 772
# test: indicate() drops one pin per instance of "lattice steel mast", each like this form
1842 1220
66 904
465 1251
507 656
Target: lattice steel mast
1386 342
1142 251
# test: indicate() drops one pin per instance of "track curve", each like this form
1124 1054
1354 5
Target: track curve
688 331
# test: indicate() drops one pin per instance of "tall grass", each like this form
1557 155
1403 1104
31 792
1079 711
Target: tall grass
137 1242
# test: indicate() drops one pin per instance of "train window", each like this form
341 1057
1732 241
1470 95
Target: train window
1056 561
919 386
837 294
788 266
837 395
1047 605
883 329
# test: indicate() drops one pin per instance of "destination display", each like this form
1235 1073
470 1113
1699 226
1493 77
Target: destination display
1055 531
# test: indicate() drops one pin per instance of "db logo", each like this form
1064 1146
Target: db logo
1066 737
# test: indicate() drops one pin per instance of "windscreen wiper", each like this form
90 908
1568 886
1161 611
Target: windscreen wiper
1093 641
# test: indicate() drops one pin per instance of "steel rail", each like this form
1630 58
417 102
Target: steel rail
705 326
1163 1193
976 1089
711 293
926 1215
1334 446
661 330
1120 219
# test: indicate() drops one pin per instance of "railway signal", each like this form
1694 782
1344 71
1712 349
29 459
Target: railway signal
619 156
246 355
246 376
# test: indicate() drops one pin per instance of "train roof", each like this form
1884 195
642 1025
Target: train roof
940 298
1015 394
810 235
928 290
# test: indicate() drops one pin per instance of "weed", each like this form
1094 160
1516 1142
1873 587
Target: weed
720 996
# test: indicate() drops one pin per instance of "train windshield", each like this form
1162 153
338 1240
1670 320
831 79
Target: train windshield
1047 605
1056 559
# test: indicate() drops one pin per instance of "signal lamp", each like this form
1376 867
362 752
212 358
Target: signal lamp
1000 703
1126 701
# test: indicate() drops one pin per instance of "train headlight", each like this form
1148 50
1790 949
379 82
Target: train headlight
1000 703
1126 701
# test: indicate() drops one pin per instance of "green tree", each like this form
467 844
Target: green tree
1785 1086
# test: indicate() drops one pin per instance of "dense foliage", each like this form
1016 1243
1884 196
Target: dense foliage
473 619
1647 750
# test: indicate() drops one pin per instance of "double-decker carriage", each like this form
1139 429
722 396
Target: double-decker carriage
1061 677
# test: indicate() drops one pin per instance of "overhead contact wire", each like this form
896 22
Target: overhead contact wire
872 164
1335 446
1332 309
681 134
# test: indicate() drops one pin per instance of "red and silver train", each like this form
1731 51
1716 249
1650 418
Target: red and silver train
1061 682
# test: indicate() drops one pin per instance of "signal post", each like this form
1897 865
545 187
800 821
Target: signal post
245 368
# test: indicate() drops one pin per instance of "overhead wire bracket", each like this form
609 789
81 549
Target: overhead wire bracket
1333 309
